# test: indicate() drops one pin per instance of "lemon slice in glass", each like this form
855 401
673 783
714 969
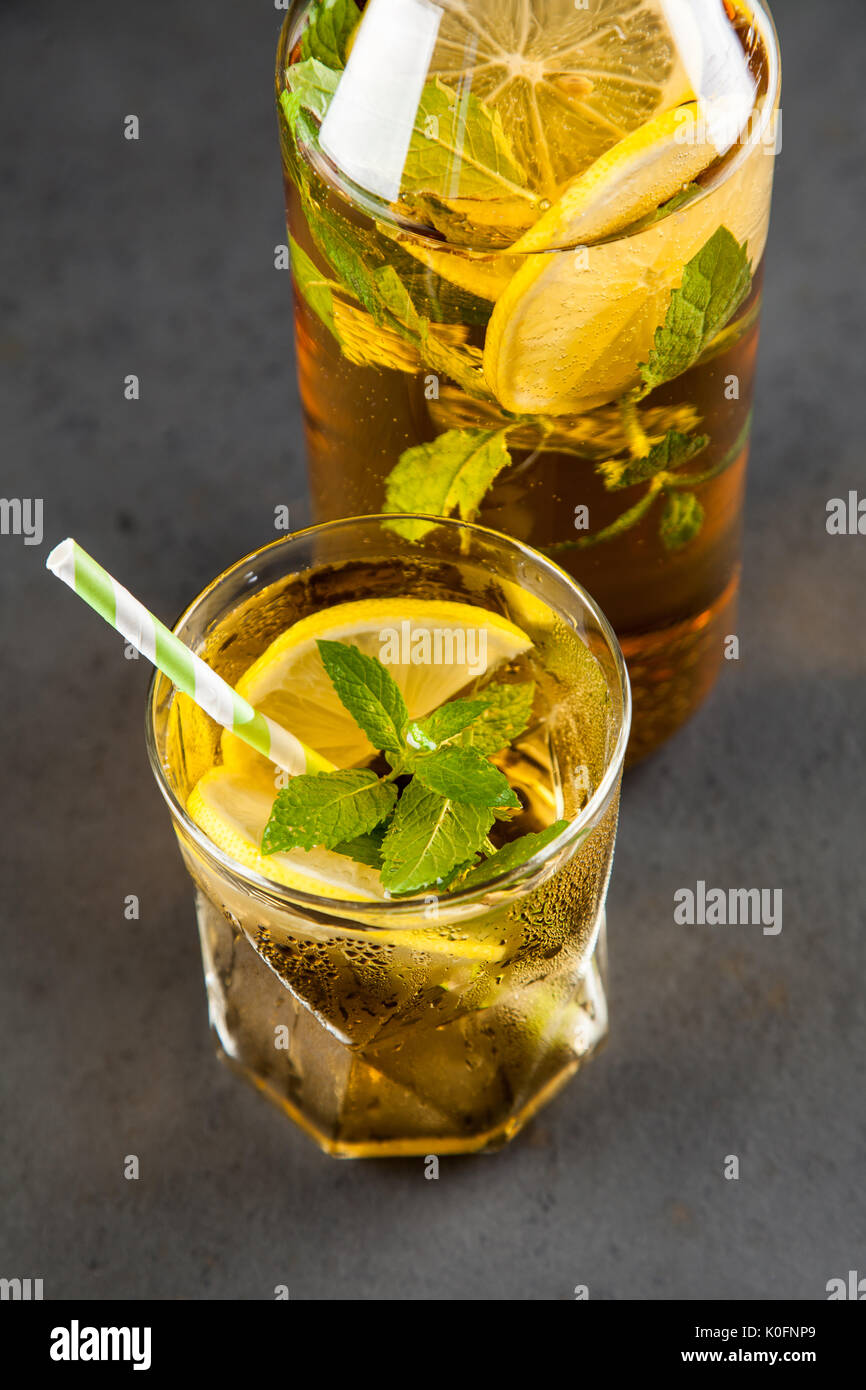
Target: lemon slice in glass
289 682
233 808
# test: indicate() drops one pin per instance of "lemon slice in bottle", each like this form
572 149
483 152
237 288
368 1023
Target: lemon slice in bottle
569 332
568 81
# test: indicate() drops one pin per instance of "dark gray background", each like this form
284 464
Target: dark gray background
156 257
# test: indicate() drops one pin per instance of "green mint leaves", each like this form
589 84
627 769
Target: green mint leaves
319 291
369 693
327 810
424 823
430 836
506 715
715 283
681 521
312 86
513 855
459 149
670 452
451 474
326 37
487 723
462 774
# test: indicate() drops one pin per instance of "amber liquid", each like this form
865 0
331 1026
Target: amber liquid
671 609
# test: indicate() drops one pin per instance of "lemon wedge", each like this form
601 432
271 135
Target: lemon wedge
631 179
289 682
570 330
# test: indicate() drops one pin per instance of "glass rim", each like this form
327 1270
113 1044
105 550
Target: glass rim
381 210
273 891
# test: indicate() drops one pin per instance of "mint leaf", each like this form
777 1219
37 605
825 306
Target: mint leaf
452 473
361 261
326 808
669 453
452 880
507 712
316 288
445 723
459 148
351 255
715 283
681 521
511 856
364 849
298 128
429 837
328 33
313 86
369 692
463 774
392 293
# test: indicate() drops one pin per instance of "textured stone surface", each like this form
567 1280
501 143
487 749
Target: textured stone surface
156 257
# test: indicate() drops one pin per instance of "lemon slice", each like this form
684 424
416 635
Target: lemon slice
485 277
289 682
633 178
569 332
568 81
233 808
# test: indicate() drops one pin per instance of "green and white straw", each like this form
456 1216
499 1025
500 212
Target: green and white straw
183 668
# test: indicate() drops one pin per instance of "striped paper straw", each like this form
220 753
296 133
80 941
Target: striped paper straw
183 668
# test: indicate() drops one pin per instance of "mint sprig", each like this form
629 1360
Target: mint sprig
449 475
424 823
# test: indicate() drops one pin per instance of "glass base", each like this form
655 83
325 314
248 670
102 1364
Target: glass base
463 1086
